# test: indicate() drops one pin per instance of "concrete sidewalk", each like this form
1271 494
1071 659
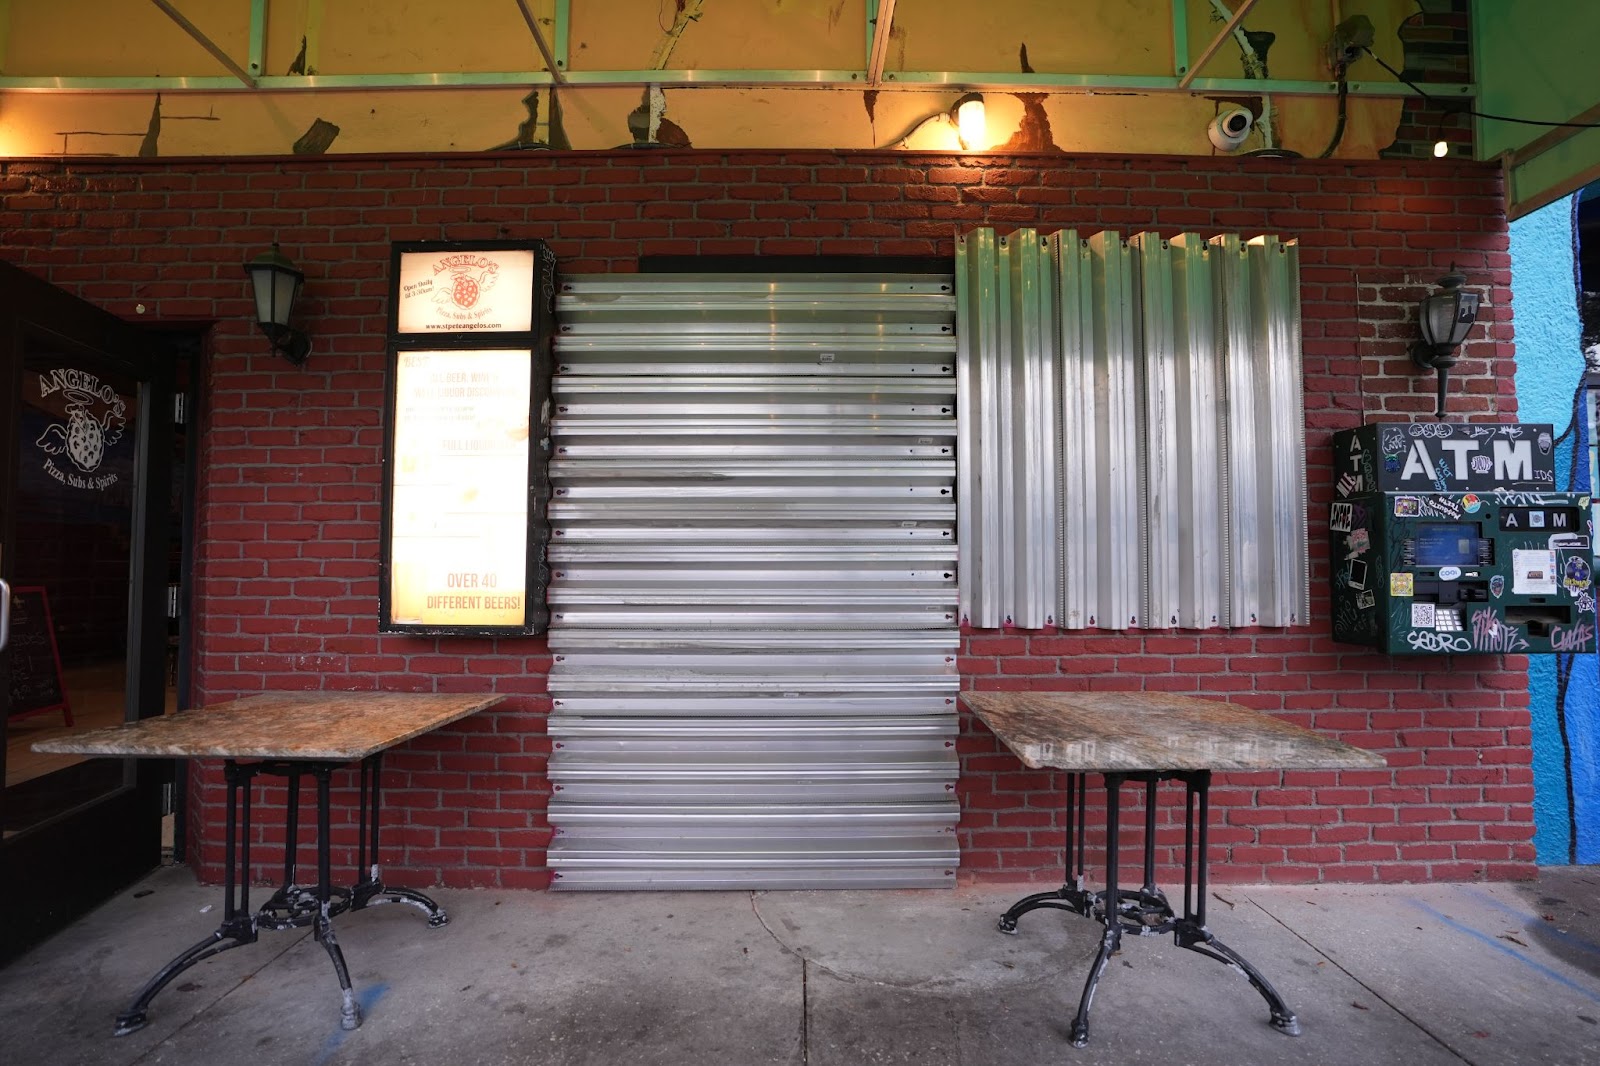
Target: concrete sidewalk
1413 975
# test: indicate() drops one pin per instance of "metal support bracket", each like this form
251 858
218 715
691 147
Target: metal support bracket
205 42
880 18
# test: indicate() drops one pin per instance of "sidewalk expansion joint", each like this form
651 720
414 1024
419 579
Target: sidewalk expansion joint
1374 993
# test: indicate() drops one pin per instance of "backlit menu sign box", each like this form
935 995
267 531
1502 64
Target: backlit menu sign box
466 439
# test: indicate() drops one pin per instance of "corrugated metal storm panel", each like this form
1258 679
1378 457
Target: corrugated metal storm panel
1183 430
1178 453
980 402
1111 477
1275 294
1159 410
754 582
1007 368
1257 297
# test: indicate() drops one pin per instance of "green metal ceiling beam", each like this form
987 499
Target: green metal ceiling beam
1008 81
562 33
258 37
1180 37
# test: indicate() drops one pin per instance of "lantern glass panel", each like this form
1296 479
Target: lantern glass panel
276 289
1466 314
1438 317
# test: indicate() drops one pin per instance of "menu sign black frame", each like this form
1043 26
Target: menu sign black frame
452 435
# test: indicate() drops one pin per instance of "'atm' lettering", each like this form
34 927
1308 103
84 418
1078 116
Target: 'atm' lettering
1513 460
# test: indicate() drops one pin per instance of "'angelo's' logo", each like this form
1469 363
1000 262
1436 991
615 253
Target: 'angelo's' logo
466 280
95 417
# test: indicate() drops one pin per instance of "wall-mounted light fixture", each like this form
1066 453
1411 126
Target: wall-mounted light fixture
1445 316
972 125
277 282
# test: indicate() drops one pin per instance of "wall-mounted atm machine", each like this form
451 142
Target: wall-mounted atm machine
1449 538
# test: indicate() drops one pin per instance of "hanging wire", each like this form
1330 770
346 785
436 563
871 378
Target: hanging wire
1344 96
1455 107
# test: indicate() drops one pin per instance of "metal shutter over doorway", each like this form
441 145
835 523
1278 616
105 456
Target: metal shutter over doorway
753 587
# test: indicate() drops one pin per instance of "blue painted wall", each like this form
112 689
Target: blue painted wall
1566 709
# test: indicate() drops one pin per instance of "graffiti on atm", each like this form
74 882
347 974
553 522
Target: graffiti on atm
1489 633
1441 507
1431 640
1517 498
1571 638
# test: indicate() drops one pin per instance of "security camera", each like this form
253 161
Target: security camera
1229 129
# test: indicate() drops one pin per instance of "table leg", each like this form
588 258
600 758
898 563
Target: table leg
1191 932
370 890
1144 911
322 925
1071 895
238 924
1110 910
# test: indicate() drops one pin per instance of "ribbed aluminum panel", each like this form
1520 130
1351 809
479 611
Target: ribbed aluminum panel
1183 429
1258 298
1176 468
753 585
1102 568
1007 368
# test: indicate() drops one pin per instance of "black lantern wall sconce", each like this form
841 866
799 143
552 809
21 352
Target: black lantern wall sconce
1446 316
277 282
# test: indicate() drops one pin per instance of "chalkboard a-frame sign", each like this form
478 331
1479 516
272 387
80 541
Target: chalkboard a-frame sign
467 412
36 686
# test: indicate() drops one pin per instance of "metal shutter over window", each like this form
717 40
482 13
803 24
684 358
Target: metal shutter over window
753 582
1132 435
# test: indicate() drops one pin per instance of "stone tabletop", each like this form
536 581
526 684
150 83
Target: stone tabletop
1134 731
327 726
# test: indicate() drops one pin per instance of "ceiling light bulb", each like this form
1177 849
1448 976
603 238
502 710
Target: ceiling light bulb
971 122
1440 149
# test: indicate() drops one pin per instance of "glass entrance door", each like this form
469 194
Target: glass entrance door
84 514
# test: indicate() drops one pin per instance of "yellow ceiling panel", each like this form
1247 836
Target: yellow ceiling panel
70 38
1060 38
461 35
719 35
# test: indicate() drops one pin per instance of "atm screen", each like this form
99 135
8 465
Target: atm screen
1446 544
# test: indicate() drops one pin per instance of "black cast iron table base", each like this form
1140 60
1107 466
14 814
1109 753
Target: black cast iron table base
293 905
1144 911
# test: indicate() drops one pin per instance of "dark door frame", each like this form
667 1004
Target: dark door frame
54 872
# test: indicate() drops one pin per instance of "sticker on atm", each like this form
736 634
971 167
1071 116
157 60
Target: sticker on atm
1402 584
1407 506
1576 575
1422 615
1533 572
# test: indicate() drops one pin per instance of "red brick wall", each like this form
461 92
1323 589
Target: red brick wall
290 495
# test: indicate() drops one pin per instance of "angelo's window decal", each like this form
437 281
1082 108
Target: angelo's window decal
92 417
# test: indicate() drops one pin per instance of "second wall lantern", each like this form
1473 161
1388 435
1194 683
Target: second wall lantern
1445 316
277 282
